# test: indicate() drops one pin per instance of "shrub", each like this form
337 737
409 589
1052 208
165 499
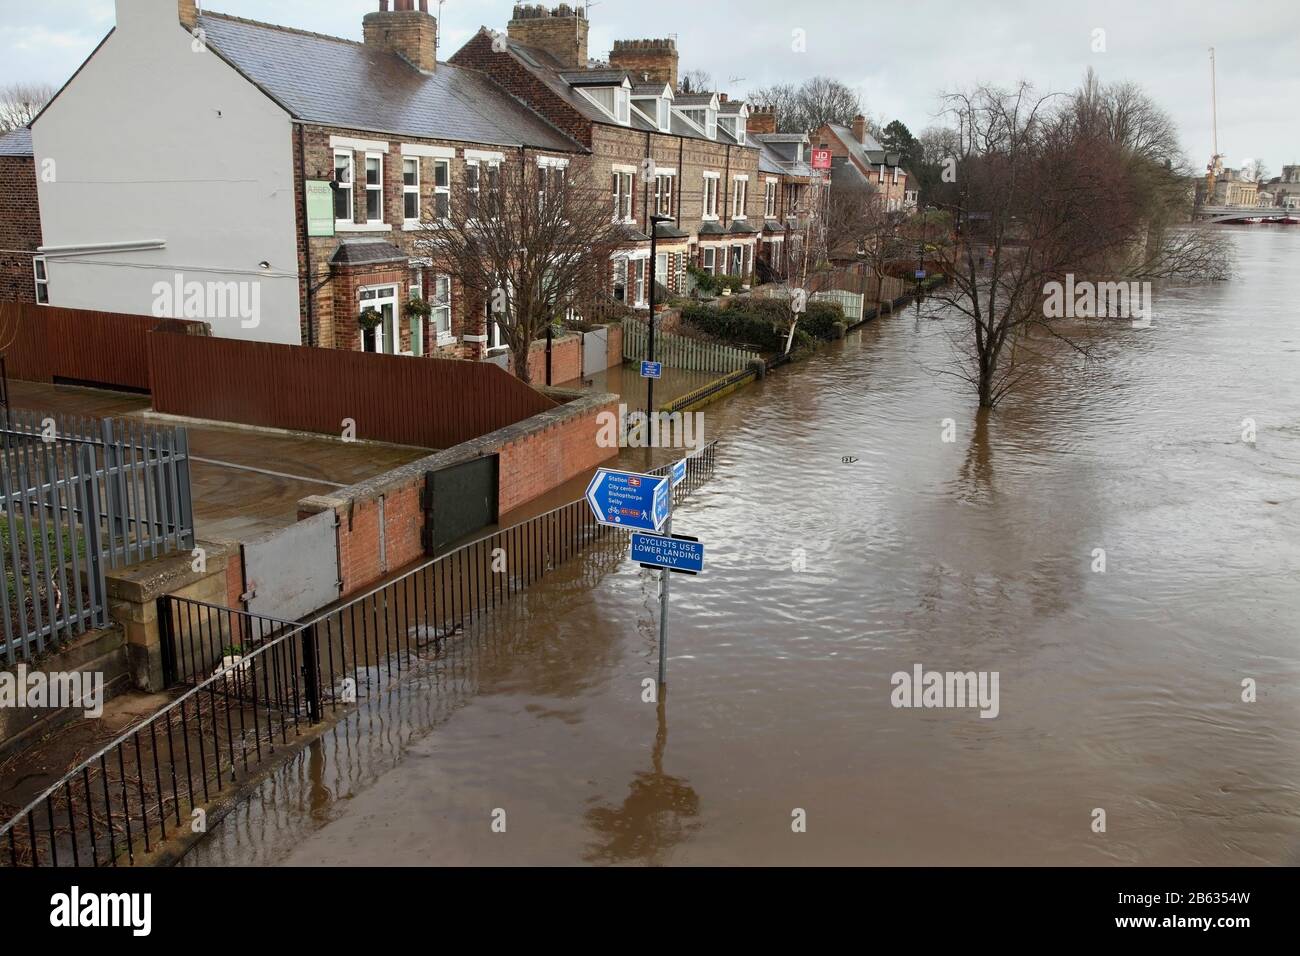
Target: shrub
820 319
736 327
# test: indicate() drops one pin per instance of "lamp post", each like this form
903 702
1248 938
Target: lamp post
650 343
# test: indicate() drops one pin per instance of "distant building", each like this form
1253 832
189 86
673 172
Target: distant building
1284 190
880 167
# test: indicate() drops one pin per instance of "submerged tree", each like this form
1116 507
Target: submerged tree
529 243
1050 189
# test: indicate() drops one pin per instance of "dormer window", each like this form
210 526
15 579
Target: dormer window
614 100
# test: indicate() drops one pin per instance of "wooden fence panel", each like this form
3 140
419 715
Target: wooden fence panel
434 403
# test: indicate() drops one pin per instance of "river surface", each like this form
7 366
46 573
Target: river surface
1119 690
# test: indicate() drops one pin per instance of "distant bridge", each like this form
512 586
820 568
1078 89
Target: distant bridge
1247 213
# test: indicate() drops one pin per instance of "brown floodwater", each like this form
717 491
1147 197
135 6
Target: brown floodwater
1120 690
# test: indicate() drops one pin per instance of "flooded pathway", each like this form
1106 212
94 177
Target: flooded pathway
1119 690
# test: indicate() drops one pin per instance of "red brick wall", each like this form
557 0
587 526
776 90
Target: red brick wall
546 452
566 360
539 462
614 346
335 302
20 228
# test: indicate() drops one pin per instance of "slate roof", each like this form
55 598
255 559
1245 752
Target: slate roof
596 77
367 251
870 153
841 168
338 82
16 143
777 152
552 73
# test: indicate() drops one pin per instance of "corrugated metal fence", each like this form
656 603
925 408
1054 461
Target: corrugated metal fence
677 351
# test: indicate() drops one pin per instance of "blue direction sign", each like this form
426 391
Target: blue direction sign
625 499
679 472
676 553
652 369
920 273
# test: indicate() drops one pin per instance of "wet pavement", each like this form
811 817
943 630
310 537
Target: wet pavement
1121 689
246 482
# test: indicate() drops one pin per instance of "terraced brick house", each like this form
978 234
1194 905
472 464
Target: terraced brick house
297 162
790 190
687 157
880 167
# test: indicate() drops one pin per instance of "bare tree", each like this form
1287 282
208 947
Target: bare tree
1255 170
1046 191
20 102
812 104
1036 206
528 242
695 81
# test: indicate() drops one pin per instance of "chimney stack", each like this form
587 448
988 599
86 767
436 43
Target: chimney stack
410 33
762 119
658 58
561 32
860 128
189 13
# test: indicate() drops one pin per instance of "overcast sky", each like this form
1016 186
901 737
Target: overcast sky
899 55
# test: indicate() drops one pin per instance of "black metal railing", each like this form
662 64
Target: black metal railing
258 682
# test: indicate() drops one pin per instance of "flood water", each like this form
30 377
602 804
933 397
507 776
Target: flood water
1120 690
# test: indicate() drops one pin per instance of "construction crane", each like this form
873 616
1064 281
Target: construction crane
1215 168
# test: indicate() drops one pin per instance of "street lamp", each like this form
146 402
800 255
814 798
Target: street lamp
650 344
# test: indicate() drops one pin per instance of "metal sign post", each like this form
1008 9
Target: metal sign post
643 505
663 616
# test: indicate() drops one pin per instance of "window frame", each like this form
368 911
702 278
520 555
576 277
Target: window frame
662 207
739 196
439 191
474 188
439 305
769 199
623 197
376 188
41 283
710 208
409 190
350 188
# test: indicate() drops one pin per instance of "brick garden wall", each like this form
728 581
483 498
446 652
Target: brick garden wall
536 455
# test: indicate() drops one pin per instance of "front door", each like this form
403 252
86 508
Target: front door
385 336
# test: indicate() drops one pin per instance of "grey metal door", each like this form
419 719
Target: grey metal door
595 351
293 572
459 501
